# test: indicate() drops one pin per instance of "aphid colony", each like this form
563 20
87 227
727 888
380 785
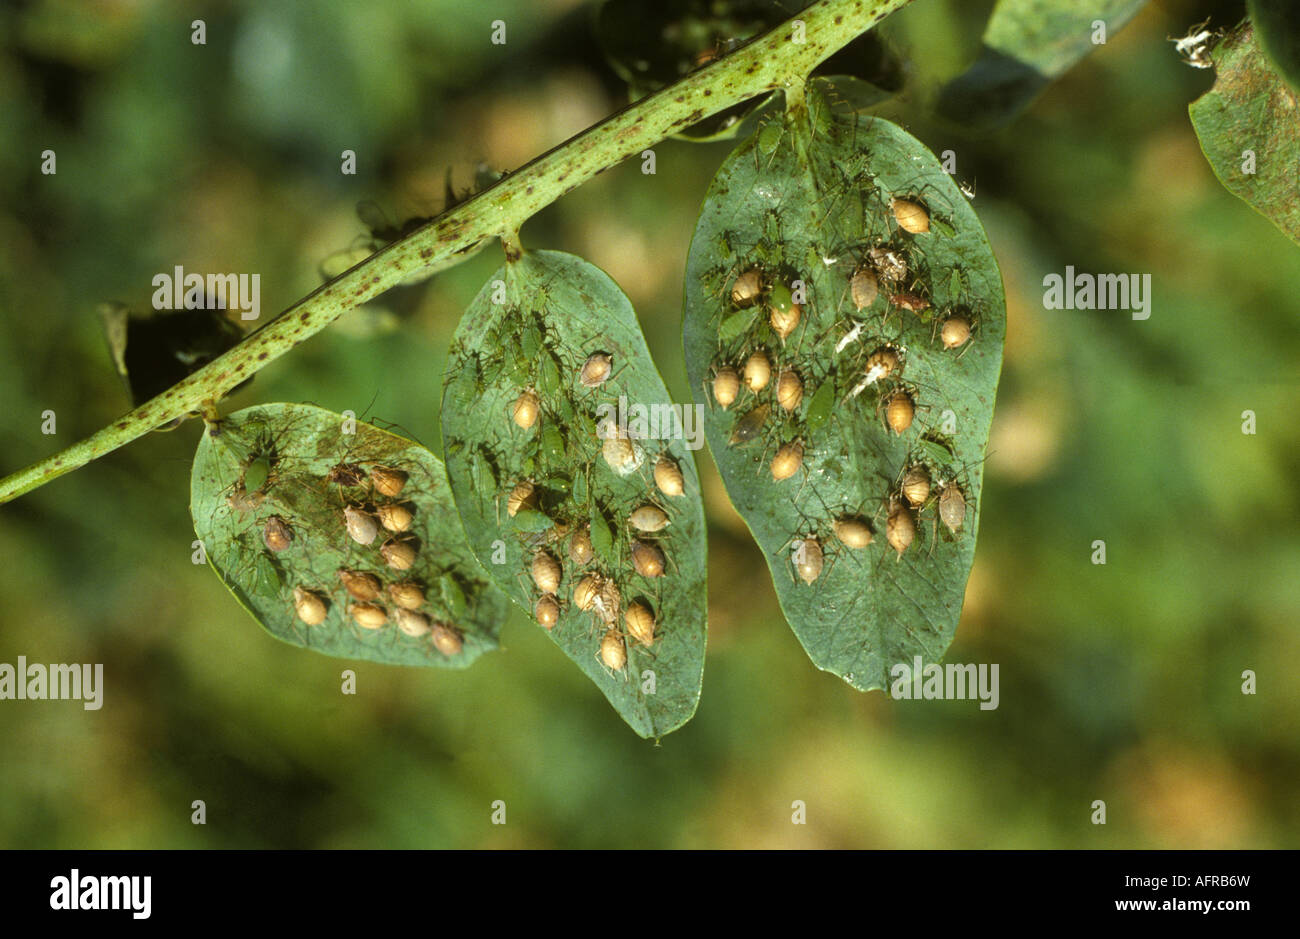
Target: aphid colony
590 506
783 386
354 504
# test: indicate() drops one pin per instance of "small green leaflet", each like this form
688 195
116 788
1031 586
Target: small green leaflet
540 434
807 202
1250 108
274 462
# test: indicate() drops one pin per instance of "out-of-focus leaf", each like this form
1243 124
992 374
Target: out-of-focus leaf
653 43
155 350
530 332
805 202
1250 108
1277 31
274 462
1027 45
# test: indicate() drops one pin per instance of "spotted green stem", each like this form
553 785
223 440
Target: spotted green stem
768 62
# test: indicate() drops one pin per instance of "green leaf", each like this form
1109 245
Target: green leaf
274 461
806 200
1027 45
1277 26
573 311
1251 109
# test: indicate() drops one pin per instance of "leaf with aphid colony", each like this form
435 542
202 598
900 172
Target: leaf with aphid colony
588 470
326 558
816 474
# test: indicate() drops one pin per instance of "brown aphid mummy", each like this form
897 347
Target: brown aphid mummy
954 332
277 534
748 427
787 461
407 595
853 532
546 572
446 639
726 386
586 592
394 517
411 623
747 287
388 481
900 528
911 216
613 651
547 611
789 390
309 605
863 288
361 525
361 586
668 477
640 623
596 370
758 372
952 507
648 518
647 559
524 410
910 301
899 411
580 550
889 264
785 321
399 555
523 496
915 486
808 559
368 615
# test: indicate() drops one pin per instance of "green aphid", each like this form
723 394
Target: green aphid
780 298
581 489
737 324
602 538
453 597
530 341
769 138
819 406
532 520
552 443
548 375
942 227
559 484
481 473
256 473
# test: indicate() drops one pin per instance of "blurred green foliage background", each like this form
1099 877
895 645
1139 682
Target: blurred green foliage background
1118 682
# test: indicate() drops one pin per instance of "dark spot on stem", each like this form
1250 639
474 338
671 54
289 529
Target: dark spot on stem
262 357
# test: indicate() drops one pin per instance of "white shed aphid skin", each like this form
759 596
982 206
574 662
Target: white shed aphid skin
880 365
1195 46
849 338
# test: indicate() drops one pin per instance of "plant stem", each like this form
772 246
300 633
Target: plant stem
768 62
